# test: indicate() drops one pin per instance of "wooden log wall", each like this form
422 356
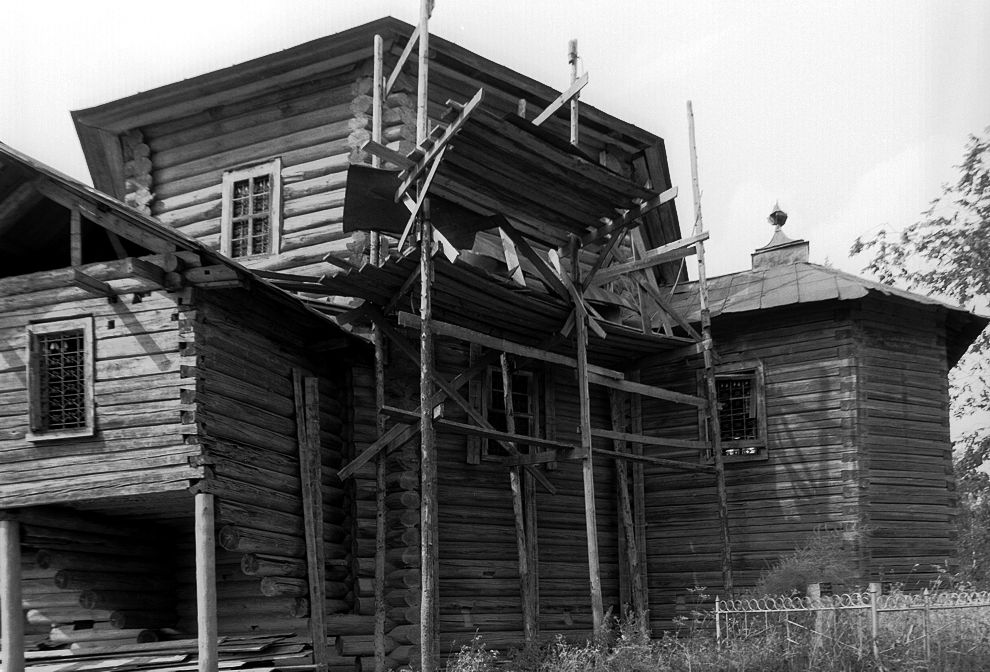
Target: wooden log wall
139 355
809 481
245 417
316 128
91 581
909 498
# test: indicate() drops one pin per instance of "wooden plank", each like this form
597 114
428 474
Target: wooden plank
380 151
424 190
648 390
715 436
409 175
75 237
518 512
588 474
648 440
658 461
206 583
484 432
91 284
542 267
561 100
617 404
403 57
630 217
307 407
503 345
11 612
660 255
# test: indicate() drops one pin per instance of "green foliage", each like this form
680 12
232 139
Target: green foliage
947 253
825 557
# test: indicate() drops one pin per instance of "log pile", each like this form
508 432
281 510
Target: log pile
91 582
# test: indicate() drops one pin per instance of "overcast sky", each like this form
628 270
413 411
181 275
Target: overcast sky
850 113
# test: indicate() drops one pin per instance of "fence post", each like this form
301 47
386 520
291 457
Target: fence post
718 623
927 623
875 621
814 593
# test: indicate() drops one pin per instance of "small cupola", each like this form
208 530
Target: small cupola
781 250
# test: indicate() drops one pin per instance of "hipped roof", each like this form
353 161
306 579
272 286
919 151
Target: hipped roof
804 283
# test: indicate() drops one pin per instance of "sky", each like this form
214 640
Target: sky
850 114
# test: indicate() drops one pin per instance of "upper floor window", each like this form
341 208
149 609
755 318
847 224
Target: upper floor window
525 407
741 410
60 378
251 220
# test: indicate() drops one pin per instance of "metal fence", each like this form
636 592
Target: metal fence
942 630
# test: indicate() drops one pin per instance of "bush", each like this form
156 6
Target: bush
825 557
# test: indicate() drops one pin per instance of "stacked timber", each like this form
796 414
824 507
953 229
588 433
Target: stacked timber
94 582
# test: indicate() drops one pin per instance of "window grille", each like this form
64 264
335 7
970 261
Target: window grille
60 379
737 415
62 384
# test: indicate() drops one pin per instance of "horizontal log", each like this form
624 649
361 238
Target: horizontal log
82 580
69 635
263 565
283 586
52 615
125 619
119 599
58 560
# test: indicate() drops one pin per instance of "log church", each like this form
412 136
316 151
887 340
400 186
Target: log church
351 353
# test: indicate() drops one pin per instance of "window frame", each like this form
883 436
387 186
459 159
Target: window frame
36 430
532 412
751 369
273 169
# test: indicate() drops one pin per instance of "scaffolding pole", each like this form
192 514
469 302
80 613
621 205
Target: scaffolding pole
714 428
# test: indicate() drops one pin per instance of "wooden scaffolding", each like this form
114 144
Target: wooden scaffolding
572 223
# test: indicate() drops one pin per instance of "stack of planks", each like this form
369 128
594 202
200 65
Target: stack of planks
94 582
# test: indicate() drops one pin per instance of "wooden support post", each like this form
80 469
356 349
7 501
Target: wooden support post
639 493
519 512
714 427
590 513
75 238
206 582
376 255
572 58
617 403
11 613
429 608
307 402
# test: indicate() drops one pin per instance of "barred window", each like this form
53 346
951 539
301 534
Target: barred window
250 222
741 408
60 378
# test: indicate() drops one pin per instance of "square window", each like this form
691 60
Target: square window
60 379
251 214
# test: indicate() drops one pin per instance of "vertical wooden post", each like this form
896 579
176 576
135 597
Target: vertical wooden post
532 547
379 340
572 58
639 495
429 605
714 426
75 238
625 509
590 512
206 582
307 402
11 613
518 511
